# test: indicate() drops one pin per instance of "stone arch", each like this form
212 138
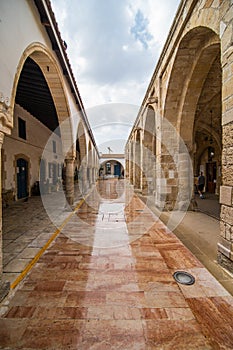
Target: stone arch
149 128
42 56
89 154
81 137
117 167
89 163
196 53
83 169
111 159
194 89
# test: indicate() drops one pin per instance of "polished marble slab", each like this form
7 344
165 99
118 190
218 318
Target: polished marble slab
119 294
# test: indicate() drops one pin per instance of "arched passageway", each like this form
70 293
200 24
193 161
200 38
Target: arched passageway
190 91
32 165
36 118
193 103
111 168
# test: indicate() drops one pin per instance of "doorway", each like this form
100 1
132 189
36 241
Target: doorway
117 169
22 175
211 177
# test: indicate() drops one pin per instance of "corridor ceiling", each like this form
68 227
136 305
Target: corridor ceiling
34 96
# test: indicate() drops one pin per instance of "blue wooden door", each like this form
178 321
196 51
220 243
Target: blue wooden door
117 169
22 168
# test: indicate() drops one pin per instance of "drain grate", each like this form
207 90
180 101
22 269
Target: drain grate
184 277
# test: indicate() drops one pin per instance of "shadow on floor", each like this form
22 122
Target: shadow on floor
209 205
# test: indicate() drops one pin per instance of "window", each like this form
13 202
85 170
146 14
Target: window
22 128
59 170
50 170
54 147
108 168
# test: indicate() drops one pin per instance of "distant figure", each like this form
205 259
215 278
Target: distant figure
201 184
109 150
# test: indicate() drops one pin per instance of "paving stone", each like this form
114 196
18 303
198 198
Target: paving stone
116 296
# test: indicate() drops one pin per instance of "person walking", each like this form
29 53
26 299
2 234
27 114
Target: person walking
201 184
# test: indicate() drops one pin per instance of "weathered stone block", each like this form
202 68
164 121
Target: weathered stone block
228 232
227 175
227 214
225 262
227 134
224 250
225 243
227 116
222 229
226 195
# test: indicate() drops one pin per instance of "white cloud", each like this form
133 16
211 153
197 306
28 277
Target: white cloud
114 45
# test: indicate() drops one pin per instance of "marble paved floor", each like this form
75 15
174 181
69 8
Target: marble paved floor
106 282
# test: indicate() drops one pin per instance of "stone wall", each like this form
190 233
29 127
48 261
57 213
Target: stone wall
31 149
194 76
225 245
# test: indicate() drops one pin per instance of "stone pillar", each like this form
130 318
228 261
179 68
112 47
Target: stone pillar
134 161
126 167
84 183
127 161
166 191
6 125
1 254
89 176
144 167
92 176
131 162
137 159
225 245
137 165
70 180
4 286
185 181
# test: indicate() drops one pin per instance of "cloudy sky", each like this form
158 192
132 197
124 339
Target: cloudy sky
113 47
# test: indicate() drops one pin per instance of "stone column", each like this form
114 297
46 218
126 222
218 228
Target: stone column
225 245
70 180
167 169
185 181
6 125
84 184
138 160
134 161
144 167
137 166
131 162
1 254
126 167
4 286
91 176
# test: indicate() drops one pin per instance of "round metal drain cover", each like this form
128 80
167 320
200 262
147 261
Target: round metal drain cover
184 277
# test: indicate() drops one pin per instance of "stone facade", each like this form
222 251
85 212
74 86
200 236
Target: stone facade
31 149
191 95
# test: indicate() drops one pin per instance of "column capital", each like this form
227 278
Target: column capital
70 159
6 118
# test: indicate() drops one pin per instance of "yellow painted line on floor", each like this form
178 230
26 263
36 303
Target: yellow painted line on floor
38 255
